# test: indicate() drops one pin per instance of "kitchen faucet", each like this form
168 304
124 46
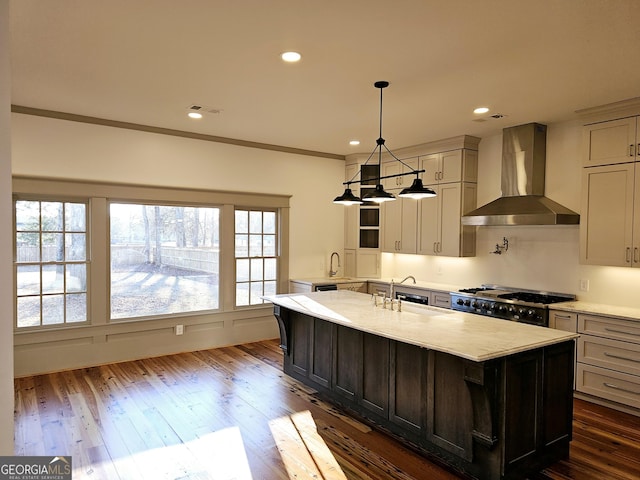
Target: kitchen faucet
409 277
332 272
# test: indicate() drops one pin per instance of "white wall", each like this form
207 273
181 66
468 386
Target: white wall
544 258
63 149
6 256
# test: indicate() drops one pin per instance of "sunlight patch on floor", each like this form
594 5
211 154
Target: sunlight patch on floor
303 451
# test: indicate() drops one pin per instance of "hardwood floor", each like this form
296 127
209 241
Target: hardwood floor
231 413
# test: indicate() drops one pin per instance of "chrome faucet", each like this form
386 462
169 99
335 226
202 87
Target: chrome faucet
409 277
332 272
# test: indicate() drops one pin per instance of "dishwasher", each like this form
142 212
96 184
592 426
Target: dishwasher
413 298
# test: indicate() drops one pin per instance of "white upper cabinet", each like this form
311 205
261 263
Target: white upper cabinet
400 226
393 167
453 166
611 142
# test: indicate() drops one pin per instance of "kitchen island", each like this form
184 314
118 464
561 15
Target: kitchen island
491 398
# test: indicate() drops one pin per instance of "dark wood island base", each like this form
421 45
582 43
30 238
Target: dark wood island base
504 418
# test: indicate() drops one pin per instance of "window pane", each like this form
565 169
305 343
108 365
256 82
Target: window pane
27 215
269 288
75 246
28 280
242 294
270 268
75 217
242 221
76 277
52 278
255 245
256 292
52 247
77 308
242 246
52 309
255 222
164 259
27 247
51 216
269 245
242 270
28 312
256 269
269 222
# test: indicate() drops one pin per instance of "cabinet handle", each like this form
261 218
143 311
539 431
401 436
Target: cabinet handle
563 316
620 357
627 256
613 330
631 150
635 255
615 387
435 247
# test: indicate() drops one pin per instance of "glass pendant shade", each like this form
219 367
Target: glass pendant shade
347 198
378 195
417 191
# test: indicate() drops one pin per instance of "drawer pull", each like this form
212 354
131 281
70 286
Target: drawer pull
563 316
620 357
615 387
613 330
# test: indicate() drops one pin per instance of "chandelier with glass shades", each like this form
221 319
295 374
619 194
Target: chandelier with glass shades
378 195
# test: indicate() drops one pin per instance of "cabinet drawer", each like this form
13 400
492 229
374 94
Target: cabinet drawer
563 321
614 386
618 329
441 299
612 354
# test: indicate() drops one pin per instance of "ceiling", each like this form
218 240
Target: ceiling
147 61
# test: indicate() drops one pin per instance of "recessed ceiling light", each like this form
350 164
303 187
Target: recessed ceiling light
480 110
354 142
194 115
291 57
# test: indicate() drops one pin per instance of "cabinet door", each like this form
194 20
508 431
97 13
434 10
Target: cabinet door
440 299
451 166
375 374
301 326
428 223
606 220
450 224
409 230
347 367
431 166
367 263
321 352
392 226
408 369
610 142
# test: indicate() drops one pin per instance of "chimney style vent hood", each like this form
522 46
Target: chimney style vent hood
523 169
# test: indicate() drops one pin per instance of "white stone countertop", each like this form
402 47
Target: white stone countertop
465 335
625 313
443 287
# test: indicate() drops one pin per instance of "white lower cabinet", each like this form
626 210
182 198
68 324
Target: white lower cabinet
608 359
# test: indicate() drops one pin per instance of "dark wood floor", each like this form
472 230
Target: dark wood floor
230 413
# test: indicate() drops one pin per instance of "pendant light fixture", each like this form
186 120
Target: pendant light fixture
417 190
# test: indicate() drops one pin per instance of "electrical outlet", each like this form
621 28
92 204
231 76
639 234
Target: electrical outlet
584 285
179 329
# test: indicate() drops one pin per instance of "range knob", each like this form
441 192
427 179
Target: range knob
485 305
531 313
511 309
460 301
502 308
467 303
522 311
474 304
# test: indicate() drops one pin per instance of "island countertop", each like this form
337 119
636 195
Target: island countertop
474 337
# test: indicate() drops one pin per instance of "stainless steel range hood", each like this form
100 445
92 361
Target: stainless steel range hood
523 169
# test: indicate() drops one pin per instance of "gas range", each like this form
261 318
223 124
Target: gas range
515 304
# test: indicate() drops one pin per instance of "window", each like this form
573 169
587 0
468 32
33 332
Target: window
164 259
256 255
51 263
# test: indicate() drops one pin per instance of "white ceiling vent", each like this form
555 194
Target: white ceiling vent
204 109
